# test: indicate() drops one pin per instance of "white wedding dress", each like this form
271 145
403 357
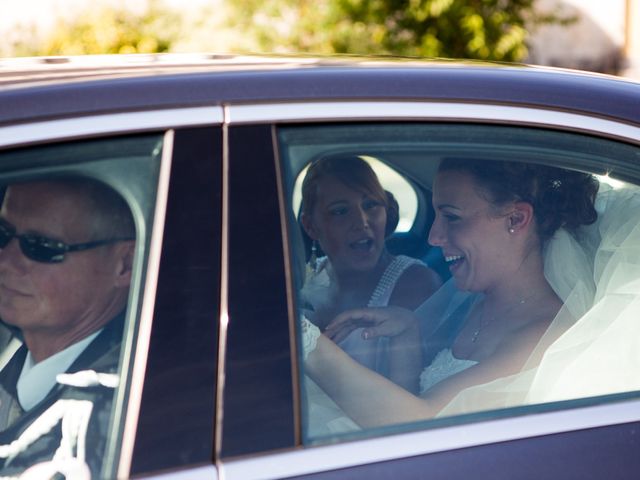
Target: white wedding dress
443 366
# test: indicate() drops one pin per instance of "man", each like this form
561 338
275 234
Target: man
66 255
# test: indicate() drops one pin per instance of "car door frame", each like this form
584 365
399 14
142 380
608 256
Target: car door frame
171 123
351 455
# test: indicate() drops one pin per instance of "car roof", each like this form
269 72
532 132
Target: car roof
53 87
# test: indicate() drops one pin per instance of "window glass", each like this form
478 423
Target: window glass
537 231
74 230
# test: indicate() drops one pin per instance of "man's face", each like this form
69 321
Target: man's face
56 298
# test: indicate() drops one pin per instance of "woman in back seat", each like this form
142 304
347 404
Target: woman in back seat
346 211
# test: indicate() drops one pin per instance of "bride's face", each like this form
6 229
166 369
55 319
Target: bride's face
474 237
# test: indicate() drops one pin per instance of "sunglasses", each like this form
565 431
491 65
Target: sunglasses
43 249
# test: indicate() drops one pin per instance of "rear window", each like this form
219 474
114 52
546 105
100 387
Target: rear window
514 287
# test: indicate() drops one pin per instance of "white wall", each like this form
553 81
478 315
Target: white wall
594 42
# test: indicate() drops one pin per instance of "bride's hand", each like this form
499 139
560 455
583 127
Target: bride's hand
377 322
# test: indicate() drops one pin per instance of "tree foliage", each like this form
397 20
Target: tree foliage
104 29
479 29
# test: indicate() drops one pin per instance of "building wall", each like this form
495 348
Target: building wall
599 39
632 43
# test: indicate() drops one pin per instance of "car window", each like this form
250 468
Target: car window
75 227
537 232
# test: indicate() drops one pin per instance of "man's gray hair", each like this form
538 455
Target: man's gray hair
111 214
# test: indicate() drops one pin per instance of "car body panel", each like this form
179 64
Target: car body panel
287 81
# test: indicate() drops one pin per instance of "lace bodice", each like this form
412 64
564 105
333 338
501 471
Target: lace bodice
444 365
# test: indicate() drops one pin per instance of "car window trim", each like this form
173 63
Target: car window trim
430 111
208 472
140 352
104 124
314 459
223 323
294 329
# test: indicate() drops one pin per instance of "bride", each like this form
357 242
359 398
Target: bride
493 220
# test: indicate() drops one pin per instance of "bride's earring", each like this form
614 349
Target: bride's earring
313 258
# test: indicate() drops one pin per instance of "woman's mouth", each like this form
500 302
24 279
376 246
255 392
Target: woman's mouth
453 260
363 245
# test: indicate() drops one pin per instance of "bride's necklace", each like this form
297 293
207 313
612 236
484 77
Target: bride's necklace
482 323
474 337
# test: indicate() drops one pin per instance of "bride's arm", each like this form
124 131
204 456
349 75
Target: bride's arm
371 400
368 398
398 324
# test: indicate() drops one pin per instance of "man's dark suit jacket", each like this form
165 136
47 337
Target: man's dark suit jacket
101 355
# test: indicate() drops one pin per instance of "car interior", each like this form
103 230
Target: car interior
415 150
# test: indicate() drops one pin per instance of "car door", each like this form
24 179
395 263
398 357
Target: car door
265 411
166 165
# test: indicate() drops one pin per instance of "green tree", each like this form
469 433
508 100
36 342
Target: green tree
479 29
104 29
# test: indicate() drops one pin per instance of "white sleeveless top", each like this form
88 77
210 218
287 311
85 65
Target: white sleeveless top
324 416
373 353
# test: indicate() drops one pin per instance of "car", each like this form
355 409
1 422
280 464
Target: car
209 152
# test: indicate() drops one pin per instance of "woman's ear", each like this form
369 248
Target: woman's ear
520 217
307 224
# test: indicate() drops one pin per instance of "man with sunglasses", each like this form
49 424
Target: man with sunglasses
66 255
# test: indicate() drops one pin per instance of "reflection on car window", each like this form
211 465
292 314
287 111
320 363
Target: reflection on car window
68 246
541 250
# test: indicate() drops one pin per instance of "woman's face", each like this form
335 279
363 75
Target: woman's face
475 240
348 224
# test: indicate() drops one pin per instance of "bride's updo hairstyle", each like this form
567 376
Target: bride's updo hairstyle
560 198
355 173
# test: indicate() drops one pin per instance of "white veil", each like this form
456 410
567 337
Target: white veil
600 353
597 348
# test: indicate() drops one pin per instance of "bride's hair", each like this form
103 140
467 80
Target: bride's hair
560 197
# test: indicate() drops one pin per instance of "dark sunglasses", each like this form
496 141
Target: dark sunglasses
43 249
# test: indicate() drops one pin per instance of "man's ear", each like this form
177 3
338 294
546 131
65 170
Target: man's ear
307 224
125 254
521 217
